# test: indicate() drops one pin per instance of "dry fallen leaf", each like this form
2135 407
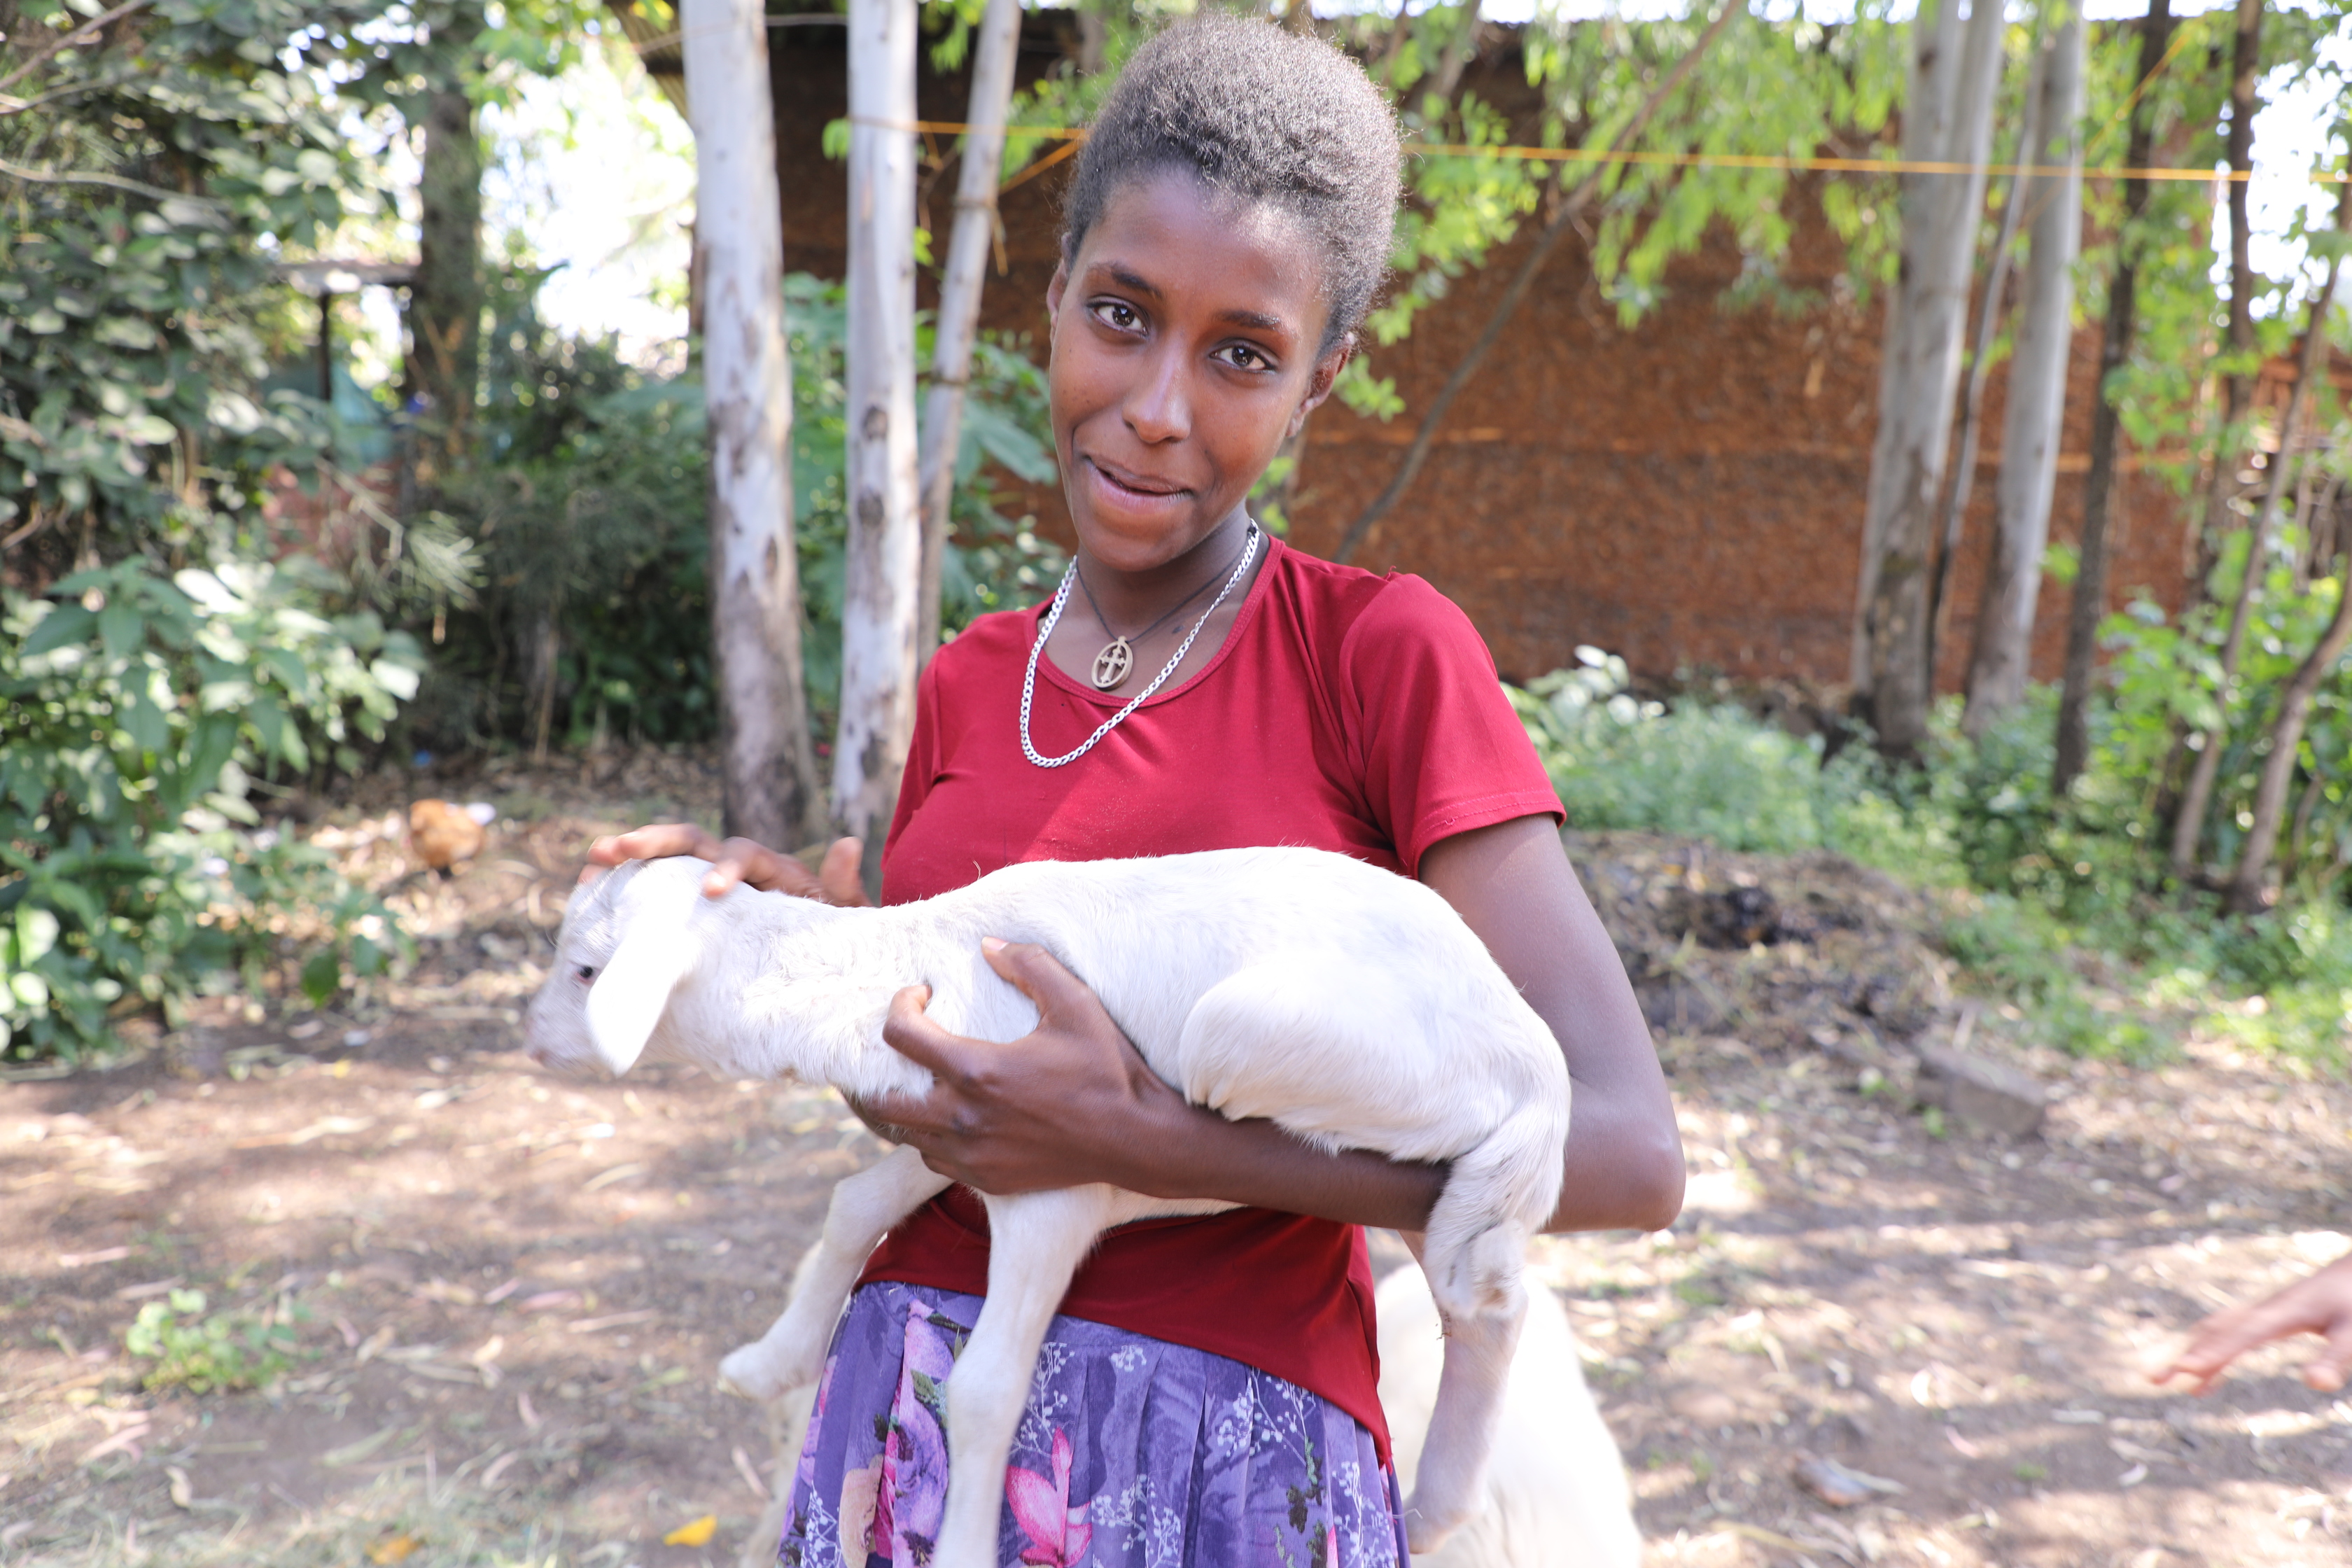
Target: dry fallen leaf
695 1533
392 1548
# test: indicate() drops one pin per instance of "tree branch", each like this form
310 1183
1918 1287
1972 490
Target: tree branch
110 181
1553 232
94 26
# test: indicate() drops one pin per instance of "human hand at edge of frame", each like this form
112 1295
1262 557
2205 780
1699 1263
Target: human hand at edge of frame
2321 1305
741 861
1071 1103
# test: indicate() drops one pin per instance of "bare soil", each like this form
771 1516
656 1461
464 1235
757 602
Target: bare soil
510 1291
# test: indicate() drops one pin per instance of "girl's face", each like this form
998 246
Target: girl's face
1184 353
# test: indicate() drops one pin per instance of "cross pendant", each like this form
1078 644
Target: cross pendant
1112 664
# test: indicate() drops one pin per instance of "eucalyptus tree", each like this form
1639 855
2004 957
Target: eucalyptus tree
2034 418
996 45
882 571
767 772
2072 748
1948 120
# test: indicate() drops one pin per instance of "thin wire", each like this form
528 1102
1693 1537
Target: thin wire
1695 160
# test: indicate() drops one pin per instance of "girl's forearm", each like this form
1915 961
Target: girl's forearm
1191 1152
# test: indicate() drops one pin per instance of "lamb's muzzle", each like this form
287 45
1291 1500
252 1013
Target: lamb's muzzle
1349 1005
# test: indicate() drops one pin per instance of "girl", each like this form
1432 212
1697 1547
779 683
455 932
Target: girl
1209 1394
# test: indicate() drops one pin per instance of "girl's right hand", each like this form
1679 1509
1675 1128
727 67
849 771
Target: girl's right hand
739 860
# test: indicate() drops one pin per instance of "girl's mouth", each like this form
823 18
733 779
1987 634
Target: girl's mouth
1141 488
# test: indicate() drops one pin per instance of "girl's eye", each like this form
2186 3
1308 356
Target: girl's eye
1119 314
1241 356
587 973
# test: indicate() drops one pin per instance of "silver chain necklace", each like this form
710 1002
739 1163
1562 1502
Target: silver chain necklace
1054 616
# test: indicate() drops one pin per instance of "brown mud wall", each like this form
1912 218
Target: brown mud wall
1688 493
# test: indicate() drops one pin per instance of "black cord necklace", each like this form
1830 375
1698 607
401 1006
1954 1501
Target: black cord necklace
1117 656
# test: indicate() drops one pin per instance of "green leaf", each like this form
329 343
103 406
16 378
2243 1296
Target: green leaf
322 976
36 933
122 628
64 623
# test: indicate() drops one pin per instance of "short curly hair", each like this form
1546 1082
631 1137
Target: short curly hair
1265 115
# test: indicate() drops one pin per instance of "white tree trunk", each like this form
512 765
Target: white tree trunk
974 236
1948 120
2037 393
769 774
884 567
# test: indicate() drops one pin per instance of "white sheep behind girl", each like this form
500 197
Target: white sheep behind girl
1349 1005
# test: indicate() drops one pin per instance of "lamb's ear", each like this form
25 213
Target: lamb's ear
629 997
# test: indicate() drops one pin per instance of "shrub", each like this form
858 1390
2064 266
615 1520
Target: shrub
588 506
1711 770
140 715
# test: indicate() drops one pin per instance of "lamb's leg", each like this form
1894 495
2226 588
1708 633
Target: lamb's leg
864 1206
1035 1243
1473 1252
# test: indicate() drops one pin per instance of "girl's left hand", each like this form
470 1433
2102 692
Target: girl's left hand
1071 1103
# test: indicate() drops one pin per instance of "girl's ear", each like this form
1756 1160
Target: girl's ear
1319 385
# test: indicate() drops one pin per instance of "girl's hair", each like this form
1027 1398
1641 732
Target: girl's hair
1262 115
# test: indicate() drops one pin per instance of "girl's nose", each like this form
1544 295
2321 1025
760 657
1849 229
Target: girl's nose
1158 409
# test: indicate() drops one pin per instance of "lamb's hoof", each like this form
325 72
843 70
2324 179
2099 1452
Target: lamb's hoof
1425 1531
750 1375
1424 1537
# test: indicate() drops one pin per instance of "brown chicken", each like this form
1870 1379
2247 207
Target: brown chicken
443 834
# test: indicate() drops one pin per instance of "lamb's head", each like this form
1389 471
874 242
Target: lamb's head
630 939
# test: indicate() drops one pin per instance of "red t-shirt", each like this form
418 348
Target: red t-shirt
1345 711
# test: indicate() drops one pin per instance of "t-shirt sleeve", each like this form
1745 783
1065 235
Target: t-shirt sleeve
1440 750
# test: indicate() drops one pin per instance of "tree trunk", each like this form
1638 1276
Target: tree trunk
1960 486
768 774
1927 314
2032 423
1460 51
968 246
443 364
1562 221
884 566
2197 797
2250 887
2106 428
2228 438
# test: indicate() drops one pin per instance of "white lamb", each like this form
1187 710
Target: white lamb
1349 1005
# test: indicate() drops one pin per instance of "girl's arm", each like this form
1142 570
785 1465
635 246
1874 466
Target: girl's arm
1073 1101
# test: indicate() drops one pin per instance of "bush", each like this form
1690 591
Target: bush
1712 771
140 715
588 506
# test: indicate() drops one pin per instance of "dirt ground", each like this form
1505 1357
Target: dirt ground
509 1291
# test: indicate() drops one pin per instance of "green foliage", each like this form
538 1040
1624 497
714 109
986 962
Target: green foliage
222 1352
589 503
139 716
1708 771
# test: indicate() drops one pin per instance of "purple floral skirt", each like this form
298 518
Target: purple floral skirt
1133 1453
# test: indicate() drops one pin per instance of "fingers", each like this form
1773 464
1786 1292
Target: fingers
914 1035
837 879
2327 1371
2213 1345
1062 998
657 841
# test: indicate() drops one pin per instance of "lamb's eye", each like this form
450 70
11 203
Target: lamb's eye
587 973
